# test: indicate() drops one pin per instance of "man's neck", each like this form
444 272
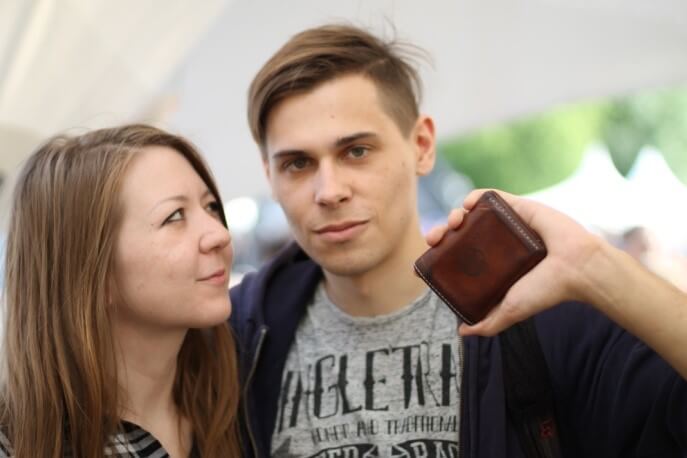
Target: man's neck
385 289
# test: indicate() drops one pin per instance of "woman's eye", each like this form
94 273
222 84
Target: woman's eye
213 207
177 215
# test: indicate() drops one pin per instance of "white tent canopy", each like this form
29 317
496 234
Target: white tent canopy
75 64
660 198
596 195
492 61
87 63
70 63
600 198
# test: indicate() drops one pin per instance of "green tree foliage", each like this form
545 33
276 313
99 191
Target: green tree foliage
624 133
533 153
528 154
657 118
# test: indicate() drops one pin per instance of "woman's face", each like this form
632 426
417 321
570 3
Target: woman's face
172 253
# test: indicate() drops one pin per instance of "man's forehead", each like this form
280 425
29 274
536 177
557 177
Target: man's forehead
322 125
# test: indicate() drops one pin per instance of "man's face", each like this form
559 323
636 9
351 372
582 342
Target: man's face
346 175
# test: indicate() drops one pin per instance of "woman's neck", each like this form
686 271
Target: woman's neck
146 371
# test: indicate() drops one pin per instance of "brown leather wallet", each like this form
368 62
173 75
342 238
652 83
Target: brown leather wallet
473 267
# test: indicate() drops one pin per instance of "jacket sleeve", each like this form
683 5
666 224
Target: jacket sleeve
614 395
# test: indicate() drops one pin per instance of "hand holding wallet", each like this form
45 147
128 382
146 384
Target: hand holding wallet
473 267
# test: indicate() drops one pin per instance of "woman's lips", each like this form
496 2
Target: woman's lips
218 277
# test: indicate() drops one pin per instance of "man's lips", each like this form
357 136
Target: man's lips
338 226
341 232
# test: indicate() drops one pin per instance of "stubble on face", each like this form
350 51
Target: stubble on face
380 189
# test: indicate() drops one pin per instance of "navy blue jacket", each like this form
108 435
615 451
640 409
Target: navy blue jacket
614 397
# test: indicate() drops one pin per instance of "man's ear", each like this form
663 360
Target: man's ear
424 140
266 167
268 175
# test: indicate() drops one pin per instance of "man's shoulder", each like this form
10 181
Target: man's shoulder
575 336
573 319
574 325
286 279
277 271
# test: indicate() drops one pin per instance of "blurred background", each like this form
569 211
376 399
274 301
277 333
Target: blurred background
581 105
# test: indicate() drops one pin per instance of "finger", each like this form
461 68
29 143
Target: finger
486 327
472 197
519 303
475 194
489 326
455 218
526 208
435 234
499 318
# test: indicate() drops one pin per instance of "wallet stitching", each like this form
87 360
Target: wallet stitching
446 301
521 230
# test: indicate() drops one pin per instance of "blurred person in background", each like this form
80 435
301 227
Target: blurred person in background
643 245
637 242
116 341
344 351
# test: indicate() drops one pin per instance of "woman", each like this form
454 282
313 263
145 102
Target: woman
117 268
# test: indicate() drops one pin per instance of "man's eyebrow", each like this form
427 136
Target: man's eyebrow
348 139
288 153
338 143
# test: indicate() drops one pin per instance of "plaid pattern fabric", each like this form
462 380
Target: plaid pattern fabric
134 441
131 442
5 448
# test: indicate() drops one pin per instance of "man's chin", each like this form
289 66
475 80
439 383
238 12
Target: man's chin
348 265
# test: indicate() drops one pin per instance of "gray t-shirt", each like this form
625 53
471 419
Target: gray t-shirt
361 387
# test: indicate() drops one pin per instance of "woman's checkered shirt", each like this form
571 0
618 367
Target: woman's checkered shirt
131 442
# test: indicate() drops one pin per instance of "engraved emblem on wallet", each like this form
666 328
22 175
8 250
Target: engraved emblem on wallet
471 261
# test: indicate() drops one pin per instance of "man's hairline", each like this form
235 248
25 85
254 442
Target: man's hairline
380 100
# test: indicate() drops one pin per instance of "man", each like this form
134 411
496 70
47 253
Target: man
345 352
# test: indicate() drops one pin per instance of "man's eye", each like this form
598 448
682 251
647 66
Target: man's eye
358 151
298 163
177 215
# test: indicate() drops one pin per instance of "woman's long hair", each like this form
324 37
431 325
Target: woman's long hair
59 394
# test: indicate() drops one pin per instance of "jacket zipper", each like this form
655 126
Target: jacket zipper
261 339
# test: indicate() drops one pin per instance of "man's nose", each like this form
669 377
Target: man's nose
331 185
